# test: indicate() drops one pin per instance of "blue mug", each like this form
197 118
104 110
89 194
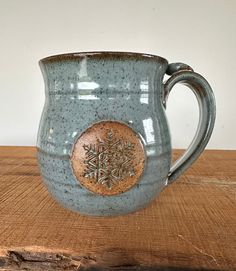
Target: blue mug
103 144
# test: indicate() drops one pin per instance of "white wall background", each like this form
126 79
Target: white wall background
200 33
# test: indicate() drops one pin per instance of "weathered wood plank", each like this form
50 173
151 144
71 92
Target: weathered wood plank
192 225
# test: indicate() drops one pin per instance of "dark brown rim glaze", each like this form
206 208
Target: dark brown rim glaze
102 55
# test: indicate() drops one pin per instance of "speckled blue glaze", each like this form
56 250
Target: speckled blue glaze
84 88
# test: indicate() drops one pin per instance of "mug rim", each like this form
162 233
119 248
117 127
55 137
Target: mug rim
102 55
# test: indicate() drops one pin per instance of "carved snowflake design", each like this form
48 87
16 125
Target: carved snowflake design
109 161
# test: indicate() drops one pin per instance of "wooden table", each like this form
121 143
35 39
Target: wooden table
191 226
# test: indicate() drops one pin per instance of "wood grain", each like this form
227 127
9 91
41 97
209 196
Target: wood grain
191 226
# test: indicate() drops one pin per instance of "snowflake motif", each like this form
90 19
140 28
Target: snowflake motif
109 161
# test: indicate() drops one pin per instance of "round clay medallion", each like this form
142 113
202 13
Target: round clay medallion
108 158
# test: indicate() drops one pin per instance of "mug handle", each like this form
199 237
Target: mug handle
184 74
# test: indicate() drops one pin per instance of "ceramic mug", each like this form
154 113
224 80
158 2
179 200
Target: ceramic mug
103 144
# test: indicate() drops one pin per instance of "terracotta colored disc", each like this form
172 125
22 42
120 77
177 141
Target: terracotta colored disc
108 158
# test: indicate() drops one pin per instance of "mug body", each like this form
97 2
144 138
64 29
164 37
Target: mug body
103 142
